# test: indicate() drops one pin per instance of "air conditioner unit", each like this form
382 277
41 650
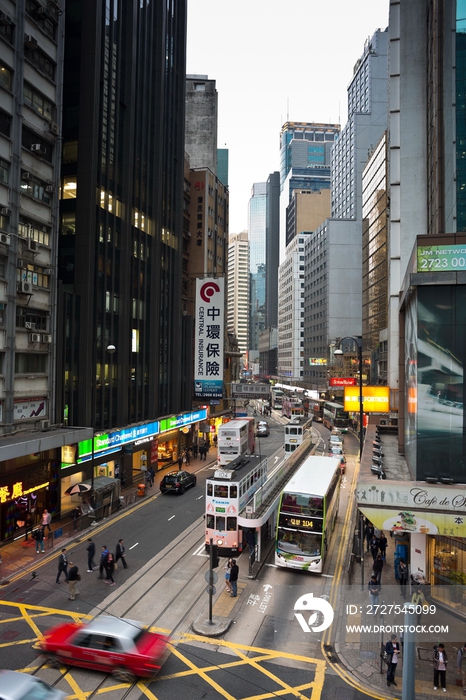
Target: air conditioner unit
6 211
41 11
38 148
46 338
54 128
34 337
4 238
26 176
21 262
29 325
31 244
44 425
47 271
25 288
5 19
50 188
30 41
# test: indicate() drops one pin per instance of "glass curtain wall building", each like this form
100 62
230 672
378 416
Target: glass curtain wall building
120 243
257 259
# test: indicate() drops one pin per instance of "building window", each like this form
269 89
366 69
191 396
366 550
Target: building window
30 362
6 77
4 171
36 189
41 62
38 102
31 319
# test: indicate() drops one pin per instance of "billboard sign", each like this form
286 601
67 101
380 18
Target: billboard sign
441 258
376 399
250 391
209 325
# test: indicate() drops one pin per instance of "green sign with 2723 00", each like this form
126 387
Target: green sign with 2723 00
441 258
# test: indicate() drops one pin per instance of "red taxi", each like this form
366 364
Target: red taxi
122 647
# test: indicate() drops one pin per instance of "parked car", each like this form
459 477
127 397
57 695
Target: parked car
335 440
177 482
122 647
21 686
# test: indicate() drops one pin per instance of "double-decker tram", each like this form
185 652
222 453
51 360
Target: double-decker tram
292 407
335 416
293 438
234 439
307 513
227 493
316 409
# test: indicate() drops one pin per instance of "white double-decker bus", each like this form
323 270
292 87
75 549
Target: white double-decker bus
234 439
307 513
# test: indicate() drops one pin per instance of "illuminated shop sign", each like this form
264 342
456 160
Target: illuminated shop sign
184 419
376 399
112 442
208 339
343 381
9 493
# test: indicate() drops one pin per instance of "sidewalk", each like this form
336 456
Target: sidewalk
17 556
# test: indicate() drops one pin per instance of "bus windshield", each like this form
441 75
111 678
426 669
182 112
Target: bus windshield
296 542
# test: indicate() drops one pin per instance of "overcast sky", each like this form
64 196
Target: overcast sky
272 62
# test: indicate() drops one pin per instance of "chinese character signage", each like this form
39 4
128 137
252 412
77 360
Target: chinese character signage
208 351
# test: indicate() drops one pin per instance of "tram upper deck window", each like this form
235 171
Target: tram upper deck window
209 489
221 491
233 491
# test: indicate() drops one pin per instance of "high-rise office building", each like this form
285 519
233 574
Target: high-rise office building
121 228
238 289
201 122
272 243
257 218
305 158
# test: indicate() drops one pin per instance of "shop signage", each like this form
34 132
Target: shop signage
343 381
441 258
315 361
376 399
182 420
107 443
8 493
250 391
208 350
426 509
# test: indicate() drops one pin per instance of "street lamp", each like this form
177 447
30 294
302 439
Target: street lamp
358 340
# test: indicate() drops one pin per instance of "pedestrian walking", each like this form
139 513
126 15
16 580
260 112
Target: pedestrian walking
377 568
103 559
393 651
39 538
227 568
46 520
201 452
440 667
383 542
205 450
402 571
195 449
234 573
374 547
73 578
418 600
368 534
180 462
75 514
151 476
251 540
90 556
461 665
62 566
109 569
374 590
120 554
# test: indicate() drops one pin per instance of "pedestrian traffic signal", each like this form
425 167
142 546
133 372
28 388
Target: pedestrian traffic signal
215 559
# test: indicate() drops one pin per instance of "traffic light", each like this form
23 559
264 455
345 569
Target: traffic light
215 559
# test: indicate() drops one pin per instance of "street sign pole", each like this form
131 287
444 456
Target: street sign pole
211 578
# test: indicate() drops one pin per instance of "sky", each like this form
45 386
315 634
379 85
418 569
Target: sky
275 62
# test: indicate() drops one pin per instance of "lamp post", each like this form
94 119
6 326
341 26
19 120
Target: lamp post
358 340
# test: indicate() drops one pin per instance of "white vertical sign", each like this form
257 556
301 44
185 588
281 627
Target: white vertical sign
208 352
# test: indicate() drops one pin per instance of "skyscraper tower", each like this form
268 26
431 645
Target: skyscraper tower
257 259
121 230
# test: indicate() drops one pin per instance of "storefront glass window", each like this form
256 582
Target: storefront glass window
447 571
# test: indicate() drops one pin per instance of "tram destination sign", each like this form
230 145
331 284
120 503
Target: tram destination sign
250 391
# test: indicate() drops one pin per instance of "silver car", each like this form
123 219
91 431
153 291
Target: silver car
21 686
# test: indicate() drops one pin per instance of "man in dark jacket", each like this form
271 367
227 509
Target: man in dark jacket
120 554
234 573
62 566
73 578
393 651
90 555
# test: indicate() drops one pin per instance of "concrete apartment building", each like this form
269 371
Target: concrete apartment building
238 290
